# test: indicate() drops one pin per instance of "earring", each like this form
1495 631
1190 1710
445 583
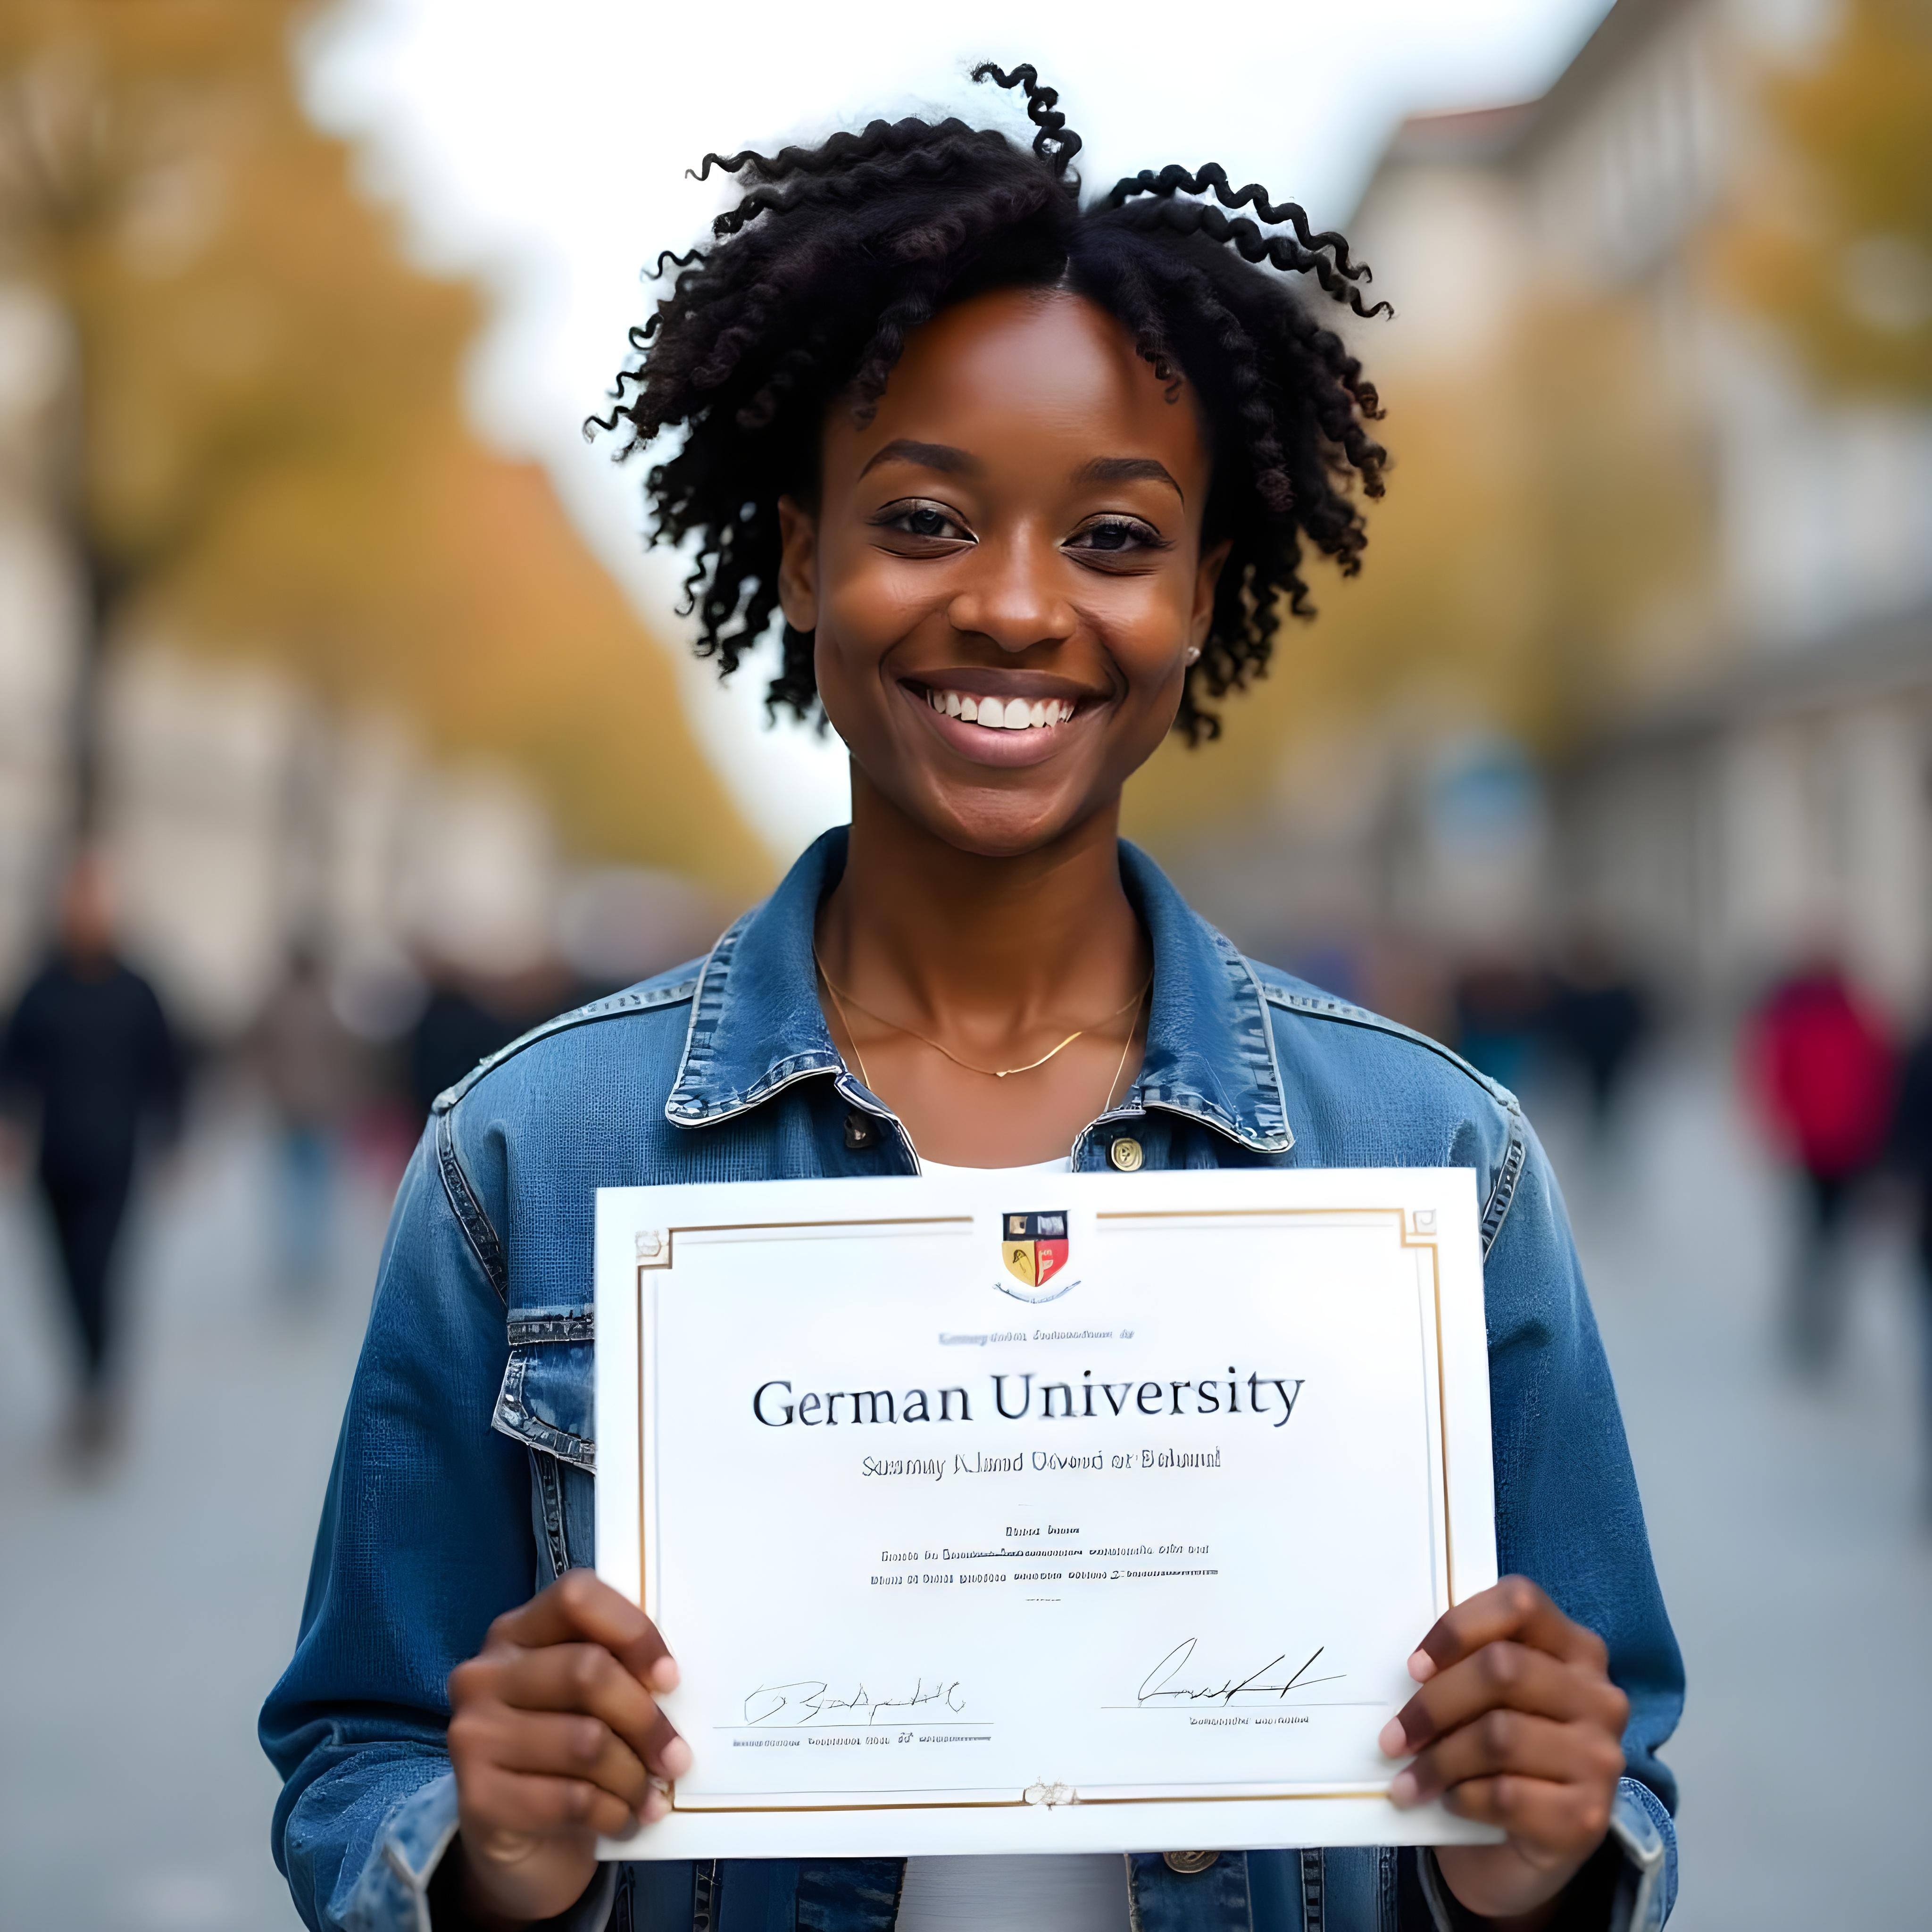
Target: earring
1193 655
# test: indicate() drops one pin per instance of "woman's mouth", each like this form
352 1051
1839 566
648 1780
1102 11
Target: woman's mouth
993 714
1006 729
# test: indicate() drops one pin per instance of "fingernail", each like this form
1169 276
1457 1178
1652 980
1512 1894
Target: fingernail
1422 1666
1404 1789
655 1803
675 1758
664 1675
1394 1740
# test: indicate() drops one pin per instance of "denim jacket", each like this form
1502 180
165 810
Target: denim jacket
462 1483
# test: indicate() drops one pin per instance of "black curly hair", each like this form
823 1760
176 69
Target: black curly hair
835 254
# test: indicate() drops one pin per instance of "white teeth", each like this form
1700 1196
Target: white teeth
996 714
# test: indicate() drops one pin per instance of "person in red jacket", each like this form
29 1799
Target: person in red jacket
1822 1067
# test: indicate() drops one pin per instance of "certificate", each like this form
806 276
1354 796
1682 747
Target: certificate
1013 1513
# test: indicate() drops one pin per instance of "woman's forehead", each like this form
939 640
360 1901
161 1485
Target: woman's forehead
1009 375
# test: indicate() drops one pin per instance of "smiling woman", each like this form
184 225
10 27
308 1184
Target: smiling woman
1022 483
874 234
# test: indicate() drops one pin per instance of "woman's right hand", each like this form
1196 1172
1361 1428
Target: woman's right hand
556 1739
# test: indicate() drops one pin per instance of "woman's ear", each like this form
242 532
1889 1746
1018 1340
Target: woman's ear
1206 578
798 565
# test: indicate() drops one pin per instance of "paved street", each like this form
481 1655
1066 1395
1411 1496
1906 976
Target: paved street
1785 1521
145 1618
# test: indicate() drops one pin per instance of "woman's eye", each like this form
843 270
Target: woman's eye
1114 535
923 519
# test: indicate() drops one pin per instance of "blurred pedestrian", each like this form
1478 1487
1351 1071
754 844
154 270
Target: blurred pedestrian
1822 1066
1912 1153
1499 1008
455 1031
469 1015
1598 1017
90 1050
311 1066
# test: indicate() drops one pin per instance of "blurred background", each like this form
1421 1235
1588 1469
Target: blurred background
345 730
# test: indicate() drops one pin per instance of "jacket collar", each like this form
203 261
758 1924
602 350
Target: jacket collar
756 1026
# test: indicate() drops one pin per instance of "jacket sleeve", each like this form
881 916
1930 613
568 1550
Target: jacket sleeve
426 1536
1568 1517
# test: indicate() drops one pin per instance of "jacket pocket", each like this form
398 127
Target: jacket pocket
548 1394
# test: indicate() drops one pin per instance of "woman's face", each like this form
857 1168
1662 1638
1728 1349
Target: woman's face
1004 571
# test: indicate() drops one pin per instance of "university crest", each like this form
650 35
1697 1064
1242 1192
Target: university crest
1033 1247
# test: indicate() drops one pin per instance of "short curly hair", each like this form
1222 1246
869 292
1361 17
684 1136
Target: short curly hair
835 254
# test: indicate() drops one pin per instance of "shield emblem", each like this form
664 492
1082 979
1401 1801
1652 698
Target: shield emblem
1034 1246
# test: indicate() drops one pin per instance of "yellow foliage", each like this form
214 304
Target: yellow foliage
269 451
1837 248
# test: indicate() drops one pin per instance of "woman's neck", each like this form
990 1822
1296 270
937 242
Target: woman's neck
990 947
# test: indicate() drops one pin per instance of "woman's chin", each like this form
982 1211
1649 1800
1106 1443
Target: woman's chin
1001 824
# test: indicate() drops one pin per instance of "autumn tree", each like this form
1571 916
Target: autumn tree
1837 245
265 447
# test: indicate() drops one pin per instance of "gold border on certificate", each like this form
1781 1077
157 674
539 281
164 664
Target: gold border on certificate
1420 1237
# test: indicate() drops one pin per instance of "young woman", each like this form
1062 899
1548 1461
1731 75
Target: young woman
1025 482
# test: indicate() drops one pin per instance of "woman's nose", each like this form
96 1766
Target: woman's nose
1011 596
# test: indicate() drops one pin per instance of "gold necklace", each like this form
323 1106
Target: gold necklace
1133 1027
840 1001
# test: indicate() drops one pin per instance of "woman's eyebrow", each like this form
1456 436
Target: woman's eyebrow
941 456
1128 469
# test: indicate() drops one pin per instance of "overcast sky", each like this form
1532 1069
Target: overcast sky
543 147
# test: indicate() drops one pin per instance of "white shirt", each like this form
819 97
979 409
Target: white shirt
1064 1164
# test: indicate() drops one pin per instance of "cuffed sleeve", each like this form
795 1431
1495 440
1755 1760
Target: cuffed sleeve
1647 1885
393 1888
1629 1886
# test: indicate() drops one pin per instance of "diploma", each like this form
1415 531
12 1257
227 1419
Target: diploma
1007 1513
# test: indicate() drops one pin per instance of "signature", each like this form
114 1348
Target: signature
810 1700
1159 1683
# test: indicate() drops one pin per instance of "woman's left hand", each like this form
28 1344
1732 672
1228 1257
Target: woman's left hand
1518 1724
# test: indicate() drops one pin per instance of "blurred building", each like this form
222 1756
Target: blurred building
1743 763
1644 637
245 821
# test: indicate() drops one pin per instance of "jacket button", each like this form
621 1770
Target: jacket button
1188 1863
1126 1155
861 1132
